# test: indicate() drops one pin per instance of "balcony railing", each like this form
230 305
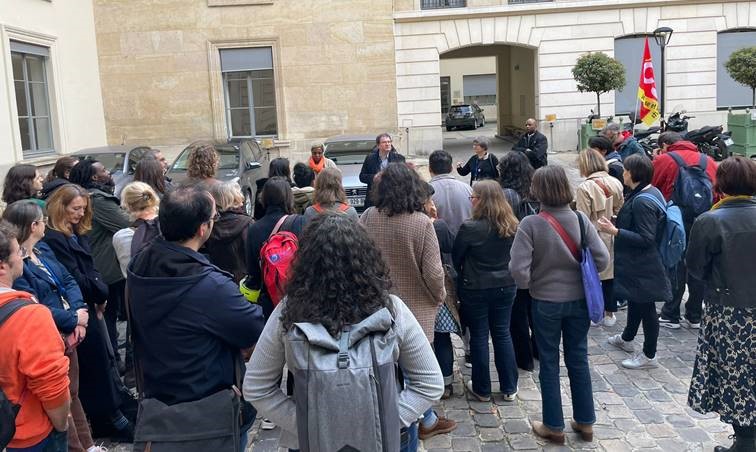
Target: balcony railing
437 4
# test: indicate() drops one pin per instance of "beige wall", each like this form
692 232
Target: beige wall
67 29
457 68
333 63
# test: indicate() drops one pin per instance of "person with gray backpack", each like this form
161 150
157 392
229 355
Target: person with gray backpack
362 368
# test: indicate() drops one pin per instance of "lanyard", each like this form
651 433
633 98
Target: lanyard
55 280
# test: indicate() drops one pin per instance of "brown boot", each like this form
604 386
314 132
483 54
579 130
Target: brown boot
442 425
547 433
585 430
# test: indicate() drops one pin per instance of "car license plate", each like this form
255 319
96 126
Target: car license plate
729 142
356 202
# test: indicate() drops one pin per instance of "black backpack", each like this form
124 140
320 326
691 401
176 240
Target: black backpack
8 410
693 191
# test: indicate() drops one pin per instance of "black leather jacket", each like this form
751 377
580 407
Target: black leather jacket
481 257
722 251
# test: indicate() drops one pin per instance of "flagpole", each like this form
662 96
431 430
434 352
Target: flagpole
635 116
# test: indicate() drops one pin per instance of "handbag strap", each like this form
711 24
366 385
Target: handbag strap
603 186
562 233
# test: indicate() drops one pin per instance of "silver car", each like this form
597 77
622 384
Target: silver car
349 152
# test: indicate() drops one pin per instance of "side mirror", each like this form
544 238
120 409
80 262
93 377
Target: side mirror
253 165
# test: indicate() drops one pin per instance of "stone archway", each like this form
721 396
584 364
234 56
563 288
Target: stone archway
419 47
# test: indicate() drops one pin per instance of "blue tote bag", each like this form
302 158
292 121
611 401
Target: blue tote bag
594 296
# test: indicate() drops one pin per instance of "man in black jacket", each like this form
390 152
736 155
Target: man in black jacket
375 162
534 144
189 319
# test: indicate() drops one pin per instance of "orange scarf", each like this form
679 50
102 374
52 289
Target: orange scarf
317 167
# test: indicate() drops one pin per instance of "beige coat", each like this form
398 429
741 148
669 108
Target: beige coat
592 201
409 246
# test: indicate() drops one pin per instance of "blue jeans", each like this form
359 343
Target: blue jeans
54 442
409 439
442 348
490 310
567 321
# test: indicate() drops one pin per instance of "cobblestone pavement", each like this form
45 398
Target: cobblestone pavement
636 410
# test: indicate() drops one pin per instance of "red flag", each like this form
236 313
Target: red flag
649 101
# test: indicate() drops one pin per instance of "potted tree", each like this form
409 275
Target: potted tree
742 68
597 73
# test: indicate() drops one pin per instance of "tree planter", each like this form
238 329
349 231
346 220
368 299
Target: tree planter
743 128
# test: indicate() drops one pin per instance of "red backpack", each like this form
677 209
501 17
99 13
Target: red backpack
276 256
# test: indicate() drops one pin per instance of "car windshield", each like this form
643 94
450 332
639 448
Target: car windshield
349 152
112 161
460 109
229 159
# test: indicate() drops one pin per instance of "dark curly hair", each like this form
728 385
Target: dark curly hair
516 173
19 183
399 190
338 277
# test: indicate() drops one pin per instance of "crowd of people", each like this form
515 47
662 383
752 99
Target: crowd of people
361 308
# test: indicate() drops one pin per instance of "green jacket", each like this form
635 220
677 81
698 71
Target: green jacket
108 219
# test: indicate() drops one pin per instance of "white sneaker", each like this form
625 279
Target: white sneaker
617 341
668 323
640 361
97 449
510 397
609 320
688 324
267 425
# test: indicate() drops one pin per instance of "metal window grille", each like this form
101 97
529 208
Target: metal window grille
437 4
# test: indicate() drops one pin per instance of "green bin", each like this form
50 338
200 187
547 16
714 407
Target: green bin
743 128
586 131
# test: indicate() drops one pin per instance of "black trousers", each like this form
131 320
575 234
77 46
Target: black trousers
607 288
521 330
116 292
696 291
642 313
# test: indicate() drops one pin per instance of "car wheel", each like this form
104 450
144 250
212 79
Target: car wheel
249 203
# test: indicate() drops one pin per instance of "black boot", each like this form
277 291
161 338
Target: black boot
744 440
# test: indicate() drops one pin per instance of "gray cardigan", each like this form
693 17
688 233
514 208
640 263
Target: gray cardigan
424 383
541 262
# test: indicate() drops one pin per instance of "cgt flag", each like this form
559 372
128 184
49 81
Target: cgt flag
649 101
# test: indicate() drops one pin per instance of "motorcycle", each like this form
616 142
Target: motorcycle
712 141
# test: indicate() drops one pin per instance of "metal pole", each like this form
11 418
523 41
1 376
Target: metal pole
663 97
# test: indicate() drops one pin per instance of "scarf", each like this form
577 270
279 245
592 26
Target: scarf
730 199
317 167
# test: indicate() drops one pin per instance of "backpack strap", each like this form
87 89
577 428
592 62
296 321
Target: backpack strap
603 186
343 207
678 159
10 308
562 233
654 199
703 162
318 208
278 225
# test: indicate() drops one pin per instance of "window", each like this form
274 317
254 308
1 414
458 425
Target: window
479 89
436 4
729 92
32 100
250 92
629 51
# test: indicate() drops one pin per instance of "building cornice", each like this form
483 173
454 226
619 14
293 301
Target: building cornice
538 8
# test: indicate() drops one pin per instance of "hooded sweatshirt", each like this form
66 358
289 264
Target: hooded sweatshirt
49 187
189 322
666 169
227 244
33 368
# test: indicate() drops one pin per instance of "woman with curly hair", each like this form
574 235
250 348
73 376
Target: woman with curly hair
515 175
202 164
355 288
23 182
405 235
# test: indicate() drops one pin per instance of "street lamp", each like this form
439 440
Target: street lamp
662 36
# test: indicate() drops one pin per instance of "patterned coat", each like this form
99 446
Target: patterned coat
409 246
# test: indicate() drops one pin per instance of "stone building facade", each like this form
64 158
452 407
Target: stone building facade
300 71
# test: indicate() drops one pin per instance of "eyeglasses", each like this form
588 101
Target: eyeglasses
43 221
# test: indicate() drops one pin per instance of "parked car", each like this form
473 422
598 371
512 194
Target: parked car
349 152
243 161
464 115
113 159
